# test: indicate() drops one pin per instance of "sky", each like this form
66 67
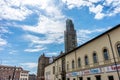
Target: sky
29 28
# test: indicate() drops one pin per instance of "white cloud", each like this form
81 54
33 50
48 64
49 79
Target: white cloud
4 30
13 52
99 9
94 1
47 39
52 54
39 40
51 28
37 43
99 16
109 2
76 3
84 35
34 50
20 9
46 25
12 10
29 65
3 42
48 8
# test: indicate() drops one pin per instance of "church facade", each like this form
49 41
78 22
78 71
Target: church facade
97 59
42 62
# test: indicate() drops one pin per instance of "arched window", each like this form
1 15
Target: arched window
79 62
105 54
118 49
53 69
95 59
73 66
86 60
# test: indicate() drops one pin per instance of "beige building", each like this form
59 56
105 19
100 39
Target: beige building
97 59
24 75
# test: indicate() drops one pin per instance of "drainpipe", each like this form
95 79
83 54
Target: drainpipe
114 56
76 61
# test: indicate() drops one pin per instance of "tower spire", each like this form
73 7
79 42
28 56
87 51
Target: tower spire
69 25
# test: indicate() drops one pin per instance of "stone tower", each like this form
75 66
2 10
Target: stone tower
42 62
70 36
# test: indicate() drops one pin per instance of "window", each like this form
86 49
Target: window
88 78
86 60
67 65
105 54
95 60
59 69
53 69
110 78
63 64
118 49
80 78
73 64
98 77
79 62
74 79
68 79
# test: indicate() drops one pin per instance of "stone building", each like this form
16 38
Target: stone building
97 59
10 72
42 62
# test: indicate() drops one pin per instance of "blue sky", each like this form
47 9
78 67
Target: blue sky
29 28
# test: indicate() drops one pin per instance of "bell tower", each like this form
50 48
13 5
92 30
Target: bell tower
70 38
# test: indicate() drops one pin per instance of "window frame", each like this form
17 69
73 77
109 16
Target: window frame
118 44
105 58
73 64
95 58
67 66
86 62
79 62
53 69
